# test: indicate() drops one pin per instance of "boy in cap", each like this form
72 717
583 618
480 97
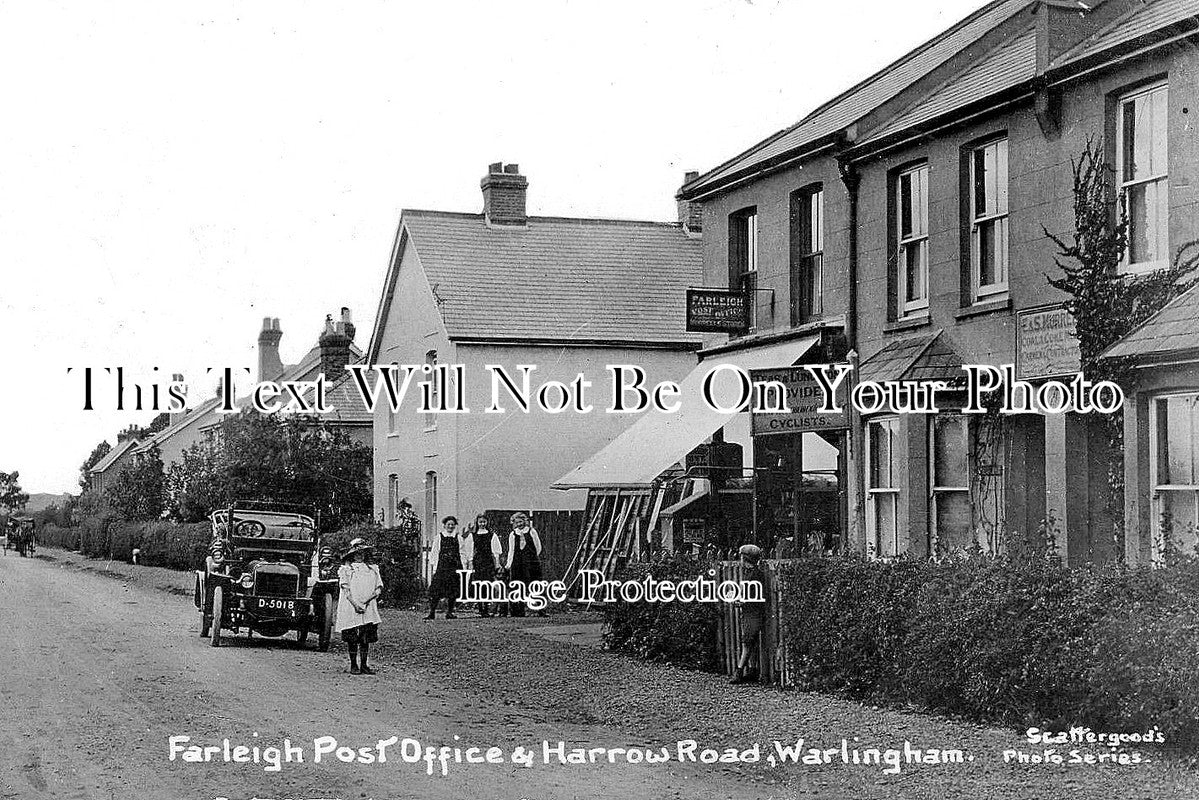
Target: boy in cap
753 616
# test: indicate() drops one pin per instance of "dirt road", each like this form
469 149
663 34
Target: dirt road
99 671
99 675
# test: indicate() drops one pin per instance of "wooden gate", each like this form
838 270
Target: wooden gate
773 663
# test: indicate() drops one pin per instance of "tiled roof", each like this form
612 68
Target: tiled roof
1143 18
112 455
920 358
1009 65
1174 329
852 105
558 279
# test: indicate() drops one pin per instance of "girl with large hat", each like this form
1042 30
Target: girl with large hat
358 604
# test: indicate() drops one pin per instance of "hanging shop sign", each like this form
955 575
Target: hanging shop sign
803 399
717 311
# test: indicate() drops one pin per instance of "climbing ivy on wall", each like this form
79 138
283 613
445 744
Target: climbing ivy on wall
1105 304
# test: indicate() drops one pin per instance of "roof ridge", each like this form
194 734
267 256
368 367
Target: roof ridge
424 212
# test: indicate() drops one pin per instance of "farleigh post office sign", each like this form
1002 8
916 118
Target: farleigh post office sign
717 311
804 398
1045 343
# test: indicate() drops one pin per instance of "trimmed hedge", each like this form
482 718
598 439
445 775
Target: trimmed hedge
684 634
184 547
1017 641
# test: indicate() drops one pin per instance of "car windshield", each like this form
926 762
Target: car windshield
267 524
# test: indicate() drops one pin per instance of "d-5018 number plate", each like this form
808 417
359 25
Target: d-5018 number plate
275 605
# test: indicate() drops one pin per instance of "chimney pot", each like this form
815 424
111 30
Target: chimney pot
335 346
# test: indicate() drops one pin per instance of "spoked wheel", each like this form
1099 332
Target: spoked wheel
218 610
326 634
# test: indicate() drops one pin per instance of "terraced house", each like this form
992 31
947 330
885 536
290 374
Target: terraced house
903 225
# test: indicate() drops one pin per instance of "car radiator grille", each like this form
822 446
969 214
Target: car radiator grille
276 584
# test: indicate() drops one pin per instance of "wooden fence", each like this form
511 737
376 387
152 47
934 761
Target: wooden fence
774 666
558 531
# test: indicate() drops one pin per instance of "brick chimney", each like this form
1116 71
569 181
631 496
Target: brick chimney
691 214
270 366
335 346
504 190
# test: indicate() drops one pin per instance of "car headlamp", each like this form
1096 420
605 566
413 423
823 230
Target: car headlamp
247 580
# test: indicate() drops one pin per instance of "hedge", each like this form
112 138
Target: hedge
684 634
1019 642
184 547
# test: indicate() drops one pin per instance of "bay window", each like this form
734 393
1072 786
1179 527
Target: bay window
1174 462
882 487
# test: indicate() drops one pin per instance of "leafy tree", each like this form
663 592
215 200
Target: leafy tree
139 491
273 458
98 453
12 499
1107 305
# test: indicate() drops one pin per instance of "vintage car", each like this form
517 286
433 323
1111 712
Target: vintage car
266 572
21 535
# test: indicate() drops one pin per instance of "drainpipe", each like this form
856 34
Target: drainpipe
856 524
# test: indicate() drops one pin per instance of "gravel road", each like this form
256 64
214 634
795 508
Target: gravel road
103 665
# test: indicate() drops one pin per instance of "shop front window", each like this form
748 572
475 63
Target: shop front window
882 489
1175 465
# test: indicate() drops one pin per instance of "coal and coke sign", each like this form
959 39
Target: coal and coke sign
795 390
717 311
1045 343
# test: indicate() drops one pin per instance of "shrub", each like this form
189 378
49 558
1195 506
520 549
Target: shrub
397 560
678 633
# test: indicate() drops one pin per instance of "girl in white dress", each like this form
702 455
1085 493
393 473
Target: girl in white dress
358 604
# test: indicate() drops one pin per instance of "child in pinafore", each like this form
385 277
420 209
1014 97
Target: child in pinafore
444 584
358 604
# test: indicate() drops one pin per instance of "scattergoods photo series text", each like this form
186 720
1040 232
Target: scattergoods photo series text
809 410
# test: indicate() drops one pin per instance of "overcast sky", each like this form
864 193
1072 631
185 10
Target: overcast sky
171 173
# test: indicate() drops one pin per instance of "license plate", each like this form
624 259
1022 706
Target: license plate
278 605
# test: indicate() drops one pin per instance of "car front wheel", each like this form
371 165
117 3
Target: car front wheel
218 609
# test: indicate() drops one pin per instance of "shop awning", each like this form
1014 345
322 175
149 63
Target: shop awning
657 440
